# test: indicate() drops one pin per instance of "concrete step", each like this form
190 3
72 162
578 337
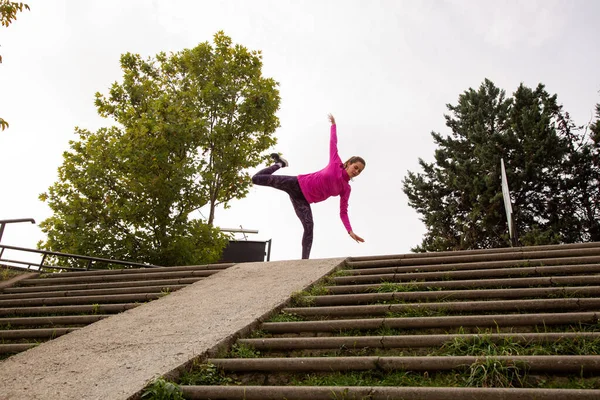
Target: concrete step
405 341
109 285
575 304
450 257
365 298
380 393
16 334
444 254
93 292
470 274
86 308
471 266
74 300
137 271
94 278
416 323
71 320
535 364
474 284
13 348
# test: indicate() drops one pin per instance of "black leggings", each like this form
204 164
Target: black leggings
289 184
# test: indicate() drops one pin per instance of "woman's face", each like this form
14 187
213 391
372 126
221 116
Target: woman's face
355 169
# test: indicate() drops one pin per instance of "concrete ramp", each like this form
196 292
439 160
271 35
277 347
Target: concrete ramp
117 357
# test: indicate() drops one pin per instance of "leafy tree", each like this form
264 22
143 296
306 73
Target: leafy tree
459 196
8 13
189 125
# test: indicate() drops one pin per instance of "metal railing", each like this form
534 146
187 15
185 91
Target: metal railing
45 253
3 223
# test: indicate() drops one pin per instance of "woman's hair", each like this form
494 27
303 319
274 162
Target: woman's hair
354 159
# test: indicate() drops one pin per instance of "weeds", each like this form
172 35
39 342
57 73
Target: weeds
484 345
481 345
206 374
241 350
300 299
161 389
8 273
259 333
491 372
412 312
286 317
387 287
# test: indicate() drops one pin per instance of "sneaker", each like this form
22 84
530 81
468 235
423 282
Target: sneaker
279 160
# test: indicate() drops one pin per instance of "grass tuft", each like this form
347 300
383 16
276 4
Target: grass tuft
491 372
205 374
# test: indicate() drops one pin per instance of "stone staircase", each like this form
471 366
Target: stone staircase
36 308
516 323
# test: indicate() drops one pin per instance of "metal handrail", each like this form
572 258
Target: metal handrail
46 253
3 223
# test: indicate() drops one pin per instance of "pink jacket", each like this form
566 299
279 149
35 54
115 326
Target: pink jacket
330 181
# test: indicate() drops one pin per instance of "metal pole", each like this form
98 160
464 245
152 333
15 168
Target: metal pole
238 230
269 251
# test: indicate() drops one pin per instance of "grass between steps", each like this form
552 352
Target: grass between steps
7 273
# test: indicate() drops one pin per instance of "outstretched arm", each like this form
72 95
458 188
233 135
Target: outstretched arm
344 216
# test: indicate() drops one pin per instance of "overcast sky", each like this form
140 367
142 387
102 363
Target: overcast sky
385 69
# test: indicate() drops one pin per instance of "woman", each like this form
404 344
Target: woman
313 188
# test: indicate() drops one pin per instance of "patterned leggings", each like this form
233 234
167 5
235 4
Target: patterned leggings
289 184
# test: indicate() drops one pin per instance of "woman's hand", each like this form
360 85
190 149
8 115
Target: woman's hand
356 237
331 119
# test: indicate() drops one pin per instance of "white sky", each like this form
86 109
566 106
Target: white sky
385 69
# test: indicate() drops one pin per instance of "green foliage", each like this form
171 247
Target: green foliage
378 378
241 350
189 124
205 374
301 299
595 128
415 312
390 287
8 11
286 317
481 345
550 170
7 273
484 345
161 389
491 372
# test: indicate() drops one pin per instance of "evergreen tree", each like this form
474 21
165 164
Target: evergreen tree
460 196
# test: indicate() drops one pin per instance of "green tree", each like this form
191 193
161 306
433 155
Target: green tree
584 184
595 127
189 124
8 13
459 195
